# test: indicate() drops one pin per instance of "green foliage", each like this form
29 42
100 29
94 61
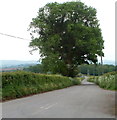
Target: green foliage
106 81
92 69
68 35
96 70
36 68
20 83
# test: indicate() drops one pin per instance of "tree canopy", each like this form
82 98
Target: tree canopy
67 35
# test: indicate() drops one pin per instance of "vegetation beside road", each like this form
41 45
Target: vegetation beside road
106 81
21 83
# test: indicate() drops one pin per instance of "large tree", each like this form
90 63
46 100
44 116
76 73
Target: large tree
67 35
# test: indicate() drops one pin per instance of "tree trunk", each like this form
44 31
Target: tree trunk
71 71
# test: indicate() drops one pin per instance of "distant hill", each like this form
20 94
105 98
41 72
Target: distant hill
8 63
110 62
18 63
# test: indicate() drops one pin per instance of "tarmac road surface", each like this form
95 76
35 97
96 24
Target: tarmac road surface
82 101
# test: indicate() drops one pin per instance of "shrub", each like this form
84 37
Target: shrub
106 81
21 83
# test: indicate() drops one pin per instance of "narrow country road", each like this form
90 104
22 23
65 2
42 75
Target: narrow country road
83 101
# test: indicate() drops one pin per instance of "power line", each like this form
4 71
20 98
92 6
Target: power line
14 36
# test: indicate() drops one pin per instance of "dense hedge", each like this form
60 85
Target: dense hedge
106 81
20 83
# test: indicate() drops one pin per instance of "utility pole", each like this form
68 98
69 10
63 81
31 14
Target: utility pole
88 72
101 64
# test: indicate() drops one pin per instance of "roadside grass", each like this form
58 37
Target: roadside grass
21 83
106 81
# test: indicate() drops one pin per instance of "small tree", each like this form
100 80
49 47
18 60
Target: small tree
68 35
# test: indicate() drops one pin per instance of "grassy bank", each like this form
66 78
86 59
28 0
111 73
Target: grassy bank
21 83
106 81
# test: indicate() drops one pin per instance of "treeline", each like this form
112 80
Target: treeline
96 70
91 69
36 68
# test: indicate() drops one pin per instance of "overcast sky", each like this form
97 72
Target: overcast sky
16 15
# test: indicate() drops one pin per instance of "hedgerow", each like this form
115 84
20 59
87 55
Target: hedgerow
21 83
106 81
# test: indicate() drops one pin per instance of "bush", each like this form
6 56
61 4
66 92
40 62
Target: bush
106 81
21 83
